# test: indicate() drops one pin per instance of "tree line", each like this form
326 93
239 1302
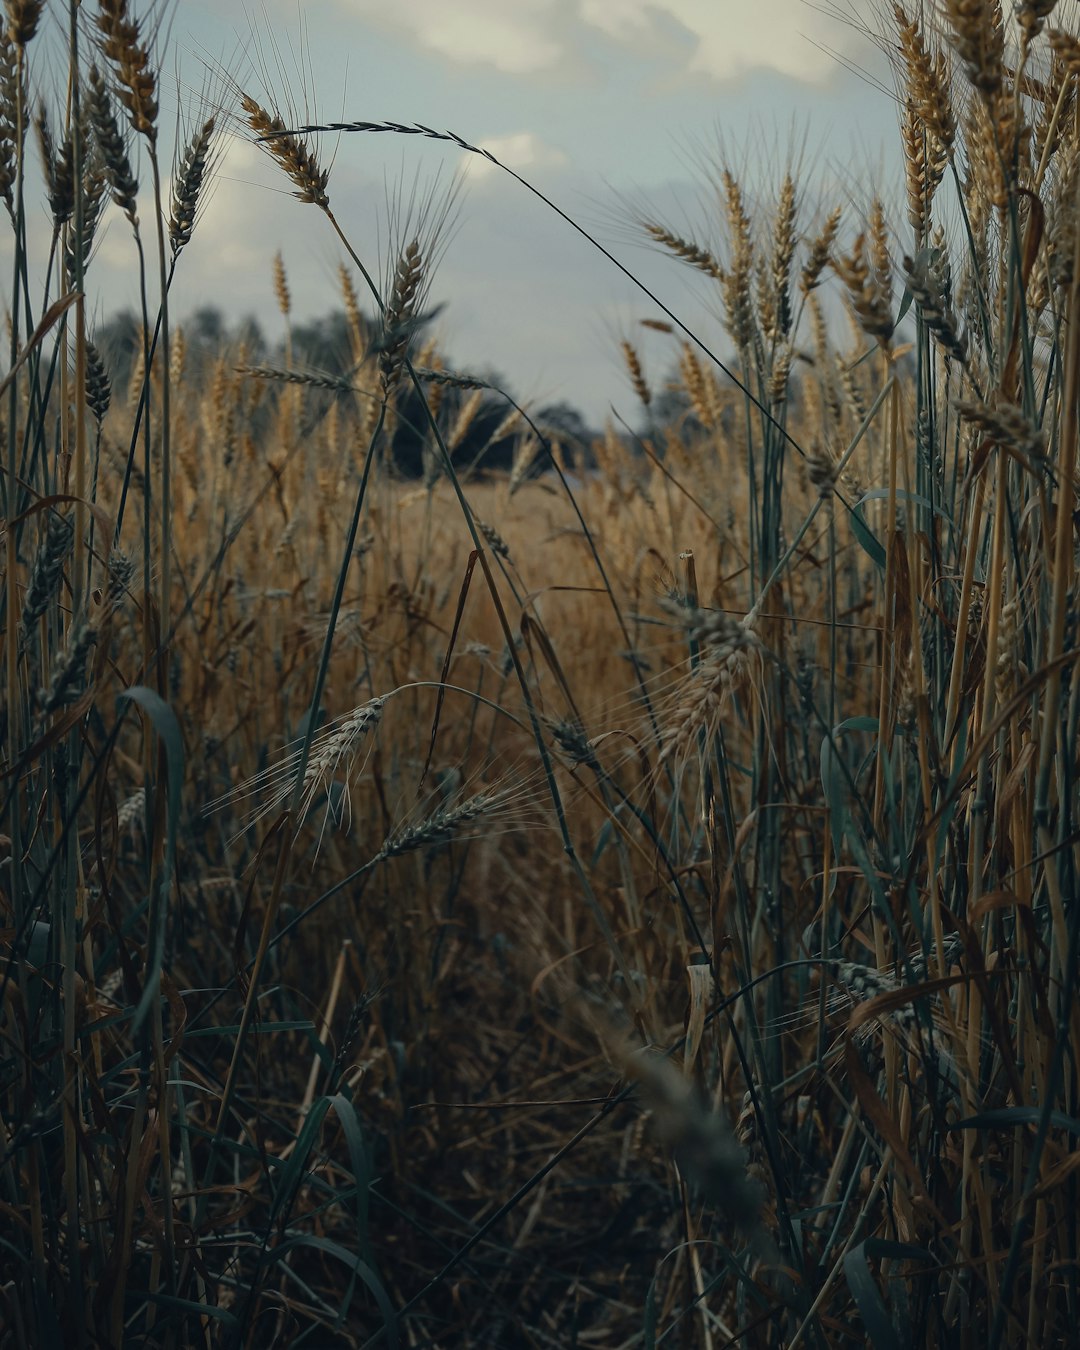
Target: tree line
324 346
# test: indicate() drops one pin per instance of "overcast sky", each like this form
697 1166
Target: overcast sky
604 104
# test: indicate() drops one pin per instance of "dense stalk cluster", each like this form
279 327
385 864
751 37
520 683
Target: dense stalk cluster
672 824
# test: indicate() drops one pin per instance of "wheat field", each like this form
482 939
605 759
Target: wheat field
609 893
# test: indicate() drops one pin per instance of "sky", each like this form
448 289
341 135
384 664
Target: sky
613 108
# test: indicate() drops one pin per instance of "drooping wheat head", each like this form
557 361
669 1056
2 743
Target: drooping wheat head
292 154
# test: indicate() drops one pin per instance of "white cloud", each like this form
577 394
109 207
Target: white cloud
515 36
724 38
524 150
729 38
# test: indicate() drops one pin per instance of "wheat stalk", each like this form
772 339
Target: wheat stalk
978 37
441 825
132 811
867 283
98 384
637 375
928 82
928 280
333 752
58 167
698 257
68 669
122 182
188 186
79 243
23 17
123 46
736 283
495 541
819 255
46 572
290 152
705 1149
466 415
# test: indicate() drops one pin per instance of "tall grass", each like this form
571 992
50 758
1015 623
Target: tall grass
548 908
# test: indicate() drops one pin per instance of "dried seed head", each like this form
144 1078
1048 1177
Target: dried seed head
715 629
738 302
1031 15
177 356
820 253
122 181
637 375
131 812
334 752
188 185
46 572
289 152
357 328
707 1152
12 98
330 767
821 470
1008 426
1066 48
23 18
441 825
495 541
58 166
867 982
1009 668
879 248
466 415
866 274
312 379
98 385
401 312
69 667
1063 220
571 739
79 244
730 649
281 285
525 454
779 375
978 38
351 1035
927 79
121 574
696 382
987 182
925 162
929 280
698 257
123 46
444 379
779 278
